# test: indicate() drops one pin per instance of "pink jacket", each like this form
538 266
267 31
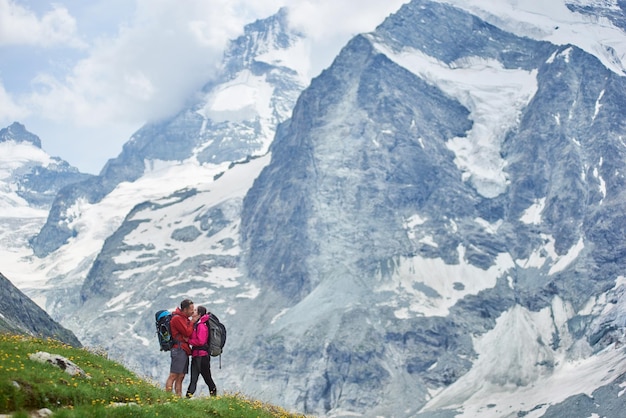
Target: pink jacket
200 336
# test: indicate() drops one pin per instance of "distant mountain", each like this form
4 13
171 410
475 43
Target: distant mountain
29 177
233 118
17 133
19 314
436 231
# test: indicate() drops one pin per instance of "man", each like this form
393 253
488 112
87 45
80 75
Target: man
182 328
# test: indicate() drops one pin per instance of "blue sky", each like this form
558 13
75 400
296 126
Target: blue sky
85 75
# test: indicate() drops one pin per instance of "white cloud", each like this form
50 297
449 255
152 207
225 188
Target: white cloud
332 23
9 109
143 73
329 19
20 26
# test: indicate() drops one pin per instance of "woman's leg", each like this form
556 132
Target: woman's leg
206 374
195 372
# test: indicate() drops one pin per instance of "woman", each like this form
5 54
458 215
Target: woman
200 360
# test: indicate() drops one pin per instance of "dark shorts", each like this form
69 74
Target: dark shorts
180 361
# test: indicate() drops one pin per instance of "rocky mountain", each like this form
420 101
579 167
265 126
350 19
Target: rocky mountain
19 314
436 230
441 180
30 179
233 118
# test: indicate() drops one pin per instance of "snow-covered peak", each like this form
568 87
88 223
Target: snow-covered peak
267 40
17 132
15 158
245 97
517 367
29 176
557 22
263 72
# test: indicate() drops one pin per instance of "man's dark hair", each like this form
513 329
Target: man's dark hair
201 310
185 304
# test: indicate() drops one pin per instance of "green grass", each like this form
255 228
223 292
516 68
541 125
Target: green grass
111 390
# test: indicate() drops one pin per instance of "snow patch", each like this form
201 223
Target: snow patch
428 240
564 261
541 255
410 224
598 104
119 302
489 227
597 175
532 215
244 98
430 283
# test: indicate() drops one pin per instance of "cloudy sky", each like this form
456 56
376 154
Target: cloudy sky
85 75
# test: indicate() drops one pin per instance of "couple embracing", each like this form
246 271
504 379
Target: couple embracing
191 333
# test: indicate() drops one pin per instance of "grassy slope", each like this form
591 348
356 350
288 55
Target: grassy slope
111 390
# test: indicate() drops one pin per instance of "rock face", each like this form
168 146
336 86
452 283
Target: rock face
19 314
375 216
437 230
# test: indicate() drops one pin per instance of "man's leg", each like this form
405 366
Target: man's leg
170 382
178 369
173 370
178 384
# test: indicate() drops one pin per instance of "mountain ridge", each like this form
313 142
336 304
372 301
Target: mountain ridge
19 314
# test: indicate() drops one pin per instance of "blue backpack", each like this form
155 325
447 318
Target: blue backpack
163 330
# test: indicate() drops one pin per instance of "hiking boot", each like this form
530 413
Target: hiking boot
189 395
213 392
